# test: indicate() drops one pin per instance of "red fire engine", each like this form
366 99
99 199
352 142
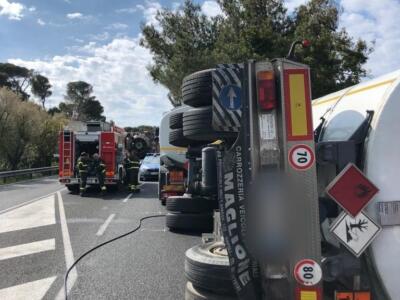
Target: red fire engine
91 137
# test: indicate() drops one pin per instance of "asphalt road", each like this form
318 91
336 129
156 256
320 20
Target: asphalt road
43 228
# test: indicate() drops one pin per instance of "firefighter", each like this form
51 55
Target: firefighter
83 168
131 164
99 168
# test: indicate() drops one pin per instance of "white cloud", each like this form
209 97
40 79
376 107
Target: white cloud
12 10
128 10
119 77
150 10
76 15
292 4
32 9
117 26
375 20
101 37
211 8
41 22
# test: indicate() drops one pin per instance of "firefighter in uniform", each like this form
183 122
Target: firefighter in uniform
83 168
99 168
131 164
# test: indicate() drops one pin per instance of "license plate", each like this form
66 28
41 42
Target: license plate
154 173
91 180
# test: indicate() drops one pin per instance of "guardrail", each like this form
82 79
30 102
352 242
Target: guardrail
16 173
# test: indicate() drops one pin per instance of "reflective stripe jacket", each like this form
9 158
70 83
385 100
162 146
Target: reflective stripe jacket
83 164
131 164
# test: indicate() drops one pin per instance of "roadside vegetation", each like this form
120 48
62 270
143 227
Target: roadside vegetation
185 41
28 132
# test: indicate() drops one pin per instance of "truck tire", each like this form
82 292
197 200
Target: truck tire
195 293
187 204
73 188
207 267
197 125
190 222
177 139
197 88
175 121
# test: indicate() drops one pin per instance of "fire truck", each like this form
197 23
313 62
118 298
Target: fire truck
91 137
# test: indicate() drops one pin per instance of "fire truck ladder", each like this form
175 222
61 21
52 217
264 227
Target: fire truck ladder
67 153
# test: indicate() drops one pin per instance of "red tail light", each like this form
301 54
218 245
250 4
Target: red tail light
266 90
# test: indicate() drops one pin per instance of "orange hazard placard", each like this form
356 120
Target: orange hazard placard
351 295
297 105
344 296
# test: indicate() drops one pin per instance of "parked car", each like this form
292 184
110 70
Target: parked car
150 167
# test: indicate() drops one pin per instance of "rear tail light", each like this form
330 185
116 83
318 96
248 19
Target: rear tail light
266 90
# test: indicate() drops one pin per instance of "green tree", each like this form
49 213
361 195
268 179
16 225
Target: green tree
16 78
184 44
336 60
187 41
28 134
40 87
80 103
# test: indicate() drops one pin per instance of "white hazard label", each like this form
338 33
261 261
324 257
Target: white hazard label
267 127
355 233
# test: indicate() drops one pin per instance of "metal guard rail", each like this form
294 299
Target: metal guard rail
13 173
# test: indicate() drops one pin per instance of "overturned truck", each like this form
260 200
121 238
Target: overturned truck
307 197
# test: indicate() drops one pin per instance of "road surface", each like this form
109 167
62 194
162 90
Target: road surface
43 228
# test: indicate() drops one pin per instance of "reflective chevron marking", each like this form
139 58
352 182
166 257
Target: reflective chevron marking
34 290
36 214
27 249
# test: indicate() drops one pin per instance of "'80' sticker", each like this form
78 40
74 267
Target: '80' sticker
307 272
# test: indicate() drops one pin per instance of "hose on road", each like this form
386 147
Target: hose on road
101 245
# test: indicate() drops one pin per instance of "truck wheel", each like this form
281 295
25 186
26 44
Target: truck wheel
197 125
176 138
175 121
195 293
207 267
197 88
190 222
187 204
73 188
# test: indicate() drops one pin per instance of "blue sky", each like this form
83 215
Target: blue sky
97 41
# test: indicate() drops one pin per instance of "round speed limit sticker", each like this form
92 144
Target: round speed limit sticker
307 272
301 157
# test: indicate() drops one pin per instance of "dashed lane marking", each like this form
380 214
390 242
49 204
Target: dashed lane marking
27 249
104 226
127 198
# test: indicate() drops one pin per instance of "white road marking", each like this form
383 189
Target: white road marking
36 214
127 198
30 201
34 290
154 230
27 249
69 255
105 225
